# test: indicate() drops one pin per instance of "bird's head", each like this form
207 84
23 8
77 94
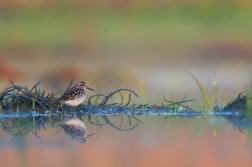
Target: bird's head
83 85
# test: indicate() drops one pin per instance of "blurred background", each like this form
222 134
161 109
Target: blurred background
144 45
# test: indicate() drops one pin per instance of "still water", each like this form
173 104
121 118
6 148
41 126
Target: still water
150 144
118 135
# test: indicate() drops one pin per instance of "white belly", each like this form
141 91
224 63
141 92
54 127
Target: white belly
75 102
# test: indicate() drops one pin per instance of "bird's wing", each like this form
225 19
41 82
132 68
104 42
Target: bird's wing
66 95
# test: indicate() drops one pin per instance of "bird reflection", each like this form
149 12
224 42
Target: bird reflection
76 129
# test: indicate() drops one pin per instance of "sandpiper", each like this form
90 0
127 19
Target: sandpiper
76 129
75 95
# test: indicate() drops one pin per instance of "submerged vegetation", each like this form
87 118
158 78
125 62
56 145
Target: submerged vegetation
26 110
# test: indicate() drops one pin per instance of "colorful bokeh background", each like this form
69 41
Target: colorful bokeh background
144 45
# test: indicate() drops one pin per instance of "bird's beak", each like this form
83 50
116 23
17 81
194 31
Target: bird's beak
90 88
90 135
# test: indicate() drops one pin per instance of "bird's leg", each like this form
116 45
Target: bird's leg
73 112
74 109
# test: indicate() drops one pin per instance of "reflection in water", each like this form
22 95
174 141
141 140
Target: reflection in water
26 110
241 109
29 111
76 129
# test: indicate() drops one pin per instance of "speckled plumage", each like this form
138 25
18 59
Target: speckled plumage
76 129
76 94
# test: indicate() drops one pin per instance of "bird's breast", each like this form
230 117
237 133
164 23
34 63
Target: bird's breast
75 102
